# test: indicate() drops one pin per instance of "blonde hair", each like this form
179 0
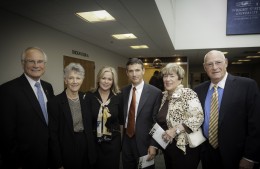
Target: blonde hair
173 67
115 89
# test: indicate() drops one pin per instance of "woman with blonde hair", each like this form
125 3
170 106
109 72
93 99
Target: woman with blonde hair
107 118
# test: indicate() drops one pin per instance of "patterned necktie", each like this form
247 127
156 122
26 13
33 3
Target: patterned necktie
41 101
213 122
130 130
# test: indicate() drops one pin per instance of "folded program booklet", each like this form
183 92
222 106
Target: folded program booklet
143 163
156 132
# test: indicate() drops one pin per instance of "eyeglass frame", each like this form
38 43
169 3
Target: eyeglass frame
211 64
34 62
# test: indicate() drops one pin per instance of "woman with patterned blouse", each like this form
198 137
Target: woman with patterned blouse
180 113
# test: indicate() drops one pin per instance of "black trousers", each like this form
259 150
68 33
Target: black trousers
211 159
176 159
130 154
80 157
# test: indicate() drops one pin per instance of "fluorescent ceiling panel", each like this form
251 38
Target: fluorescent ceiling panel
96 16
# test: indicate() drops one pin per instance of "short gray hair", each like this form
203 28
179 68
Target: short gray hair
173 67
23 55
74 67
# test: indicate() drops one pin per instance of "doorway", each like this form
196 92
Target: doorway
89 66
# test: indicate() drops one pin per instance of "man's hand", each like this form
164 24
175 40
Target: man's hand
245 164
151 153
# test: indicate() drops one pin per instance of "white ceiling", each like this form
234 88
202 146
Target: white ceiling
140 17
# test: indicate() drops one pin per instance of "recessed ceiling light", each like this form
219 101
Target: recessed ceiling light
124 36
244 60
236 63
96 16
225 53
252 57
140 47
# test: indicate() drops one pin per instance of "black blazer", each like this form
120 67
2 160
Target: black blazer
115 109
62 133
24 132
148 107
239 120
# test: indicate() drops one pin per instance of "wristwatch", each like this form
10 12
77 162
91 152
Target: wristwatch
178 131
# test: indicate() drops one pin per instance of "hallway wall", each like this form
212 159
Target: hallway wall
18 33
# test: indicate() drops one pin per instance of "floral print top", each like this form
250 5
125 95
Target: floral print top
184 108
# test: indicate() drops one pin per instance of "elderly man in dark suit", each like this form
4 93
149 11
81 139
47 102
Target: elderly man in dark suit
141 104
234 136
24 119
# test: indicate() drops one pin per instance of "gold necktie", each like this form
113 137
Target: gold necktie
130 130
213 122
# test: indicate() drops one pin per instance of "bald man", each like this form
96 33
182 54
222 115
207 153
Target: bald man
238 138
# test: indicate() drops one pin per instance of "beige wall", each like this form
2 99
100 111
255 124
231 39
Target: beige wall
200 24
17 33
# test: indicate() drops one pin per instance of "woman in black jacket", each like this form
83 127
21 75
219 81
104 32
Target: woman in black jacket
71 140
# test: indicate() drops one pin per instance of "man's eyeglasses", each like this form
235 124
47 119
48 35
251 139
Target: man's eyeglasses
34 62
211 64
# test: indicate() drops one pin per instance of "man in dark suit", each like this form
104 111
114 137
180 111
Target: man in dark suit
237 143
147 101
23 122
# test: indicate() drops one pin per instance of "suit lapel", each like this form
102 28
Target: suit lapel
228 91
203 94
66 110
45 89
126 98
143 98
84 111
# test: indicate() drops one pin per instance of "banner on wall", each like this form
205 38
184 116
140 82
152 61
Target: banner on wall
243 17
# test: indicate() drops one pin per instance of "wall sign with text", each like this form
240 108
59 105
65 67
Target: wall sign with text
243 17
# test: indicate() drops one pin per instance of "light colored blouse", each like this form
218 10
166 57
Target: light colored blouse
184 108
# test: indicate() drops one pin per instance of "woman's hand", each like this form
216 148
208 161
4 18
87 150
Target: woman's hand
171 133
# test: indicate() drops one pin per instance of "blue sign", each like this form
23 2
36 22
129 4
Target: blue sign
243 17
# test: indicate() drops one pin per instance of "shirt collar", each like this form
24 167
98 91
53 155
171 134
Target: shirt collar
220 84
140 86
31 81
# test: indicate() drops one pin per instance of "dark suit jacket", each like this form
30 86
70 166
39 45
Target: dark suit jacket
24 132
114 107
239 119
62 141
148 107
